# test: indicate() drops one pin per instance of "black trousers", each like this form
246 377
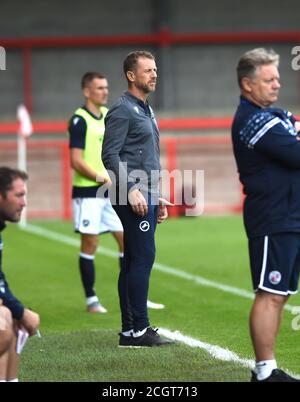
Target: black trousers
139 255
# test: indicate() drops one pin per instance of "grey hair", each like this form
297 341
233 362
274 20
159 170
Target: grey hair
254 58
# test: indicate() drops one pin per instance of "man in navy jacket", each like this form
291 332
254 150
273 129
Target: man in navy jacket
267 152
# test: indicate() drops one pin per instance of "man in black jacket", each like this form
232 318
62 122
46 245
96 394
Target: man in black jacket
13 315
131 154
267 152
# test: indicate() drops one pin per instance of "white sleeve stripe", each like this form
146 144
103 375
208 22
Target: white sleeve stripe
263 130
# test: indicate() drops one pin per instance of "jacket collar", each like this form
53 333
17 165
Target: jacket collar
135 99
246 101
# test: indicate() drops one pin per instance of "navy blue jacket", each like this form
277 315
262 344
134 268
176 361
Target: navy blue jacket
267 153
132 137
9 300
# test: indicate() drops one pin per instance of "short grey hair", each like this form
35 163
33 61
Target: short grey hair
254 58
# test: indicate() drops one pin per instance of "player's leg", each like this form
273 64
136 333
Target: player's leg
6 340
265 319
88 249
13 361
87 217
272 265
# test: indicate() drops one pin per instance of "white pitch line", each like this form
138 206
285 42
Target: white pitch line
199 280
215 351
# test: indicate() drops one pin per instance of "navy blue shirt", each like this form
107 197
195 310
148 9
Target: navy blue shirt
9 300
267 152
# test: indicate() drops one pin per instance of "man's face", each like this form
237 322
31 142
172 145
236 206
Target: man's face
145 75
97 91
12 205
263 88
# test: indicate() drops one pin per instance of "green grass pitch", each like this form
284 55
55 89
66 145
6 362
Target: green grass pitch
77 346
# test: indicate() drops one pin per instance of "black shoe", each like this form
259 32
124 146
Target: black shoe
125 341
149 339
277 375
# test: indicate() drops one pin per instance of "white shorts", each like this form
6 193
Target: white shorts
95 216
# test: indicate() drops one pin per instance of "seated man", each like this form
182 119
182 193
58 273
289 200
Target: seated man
13 315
